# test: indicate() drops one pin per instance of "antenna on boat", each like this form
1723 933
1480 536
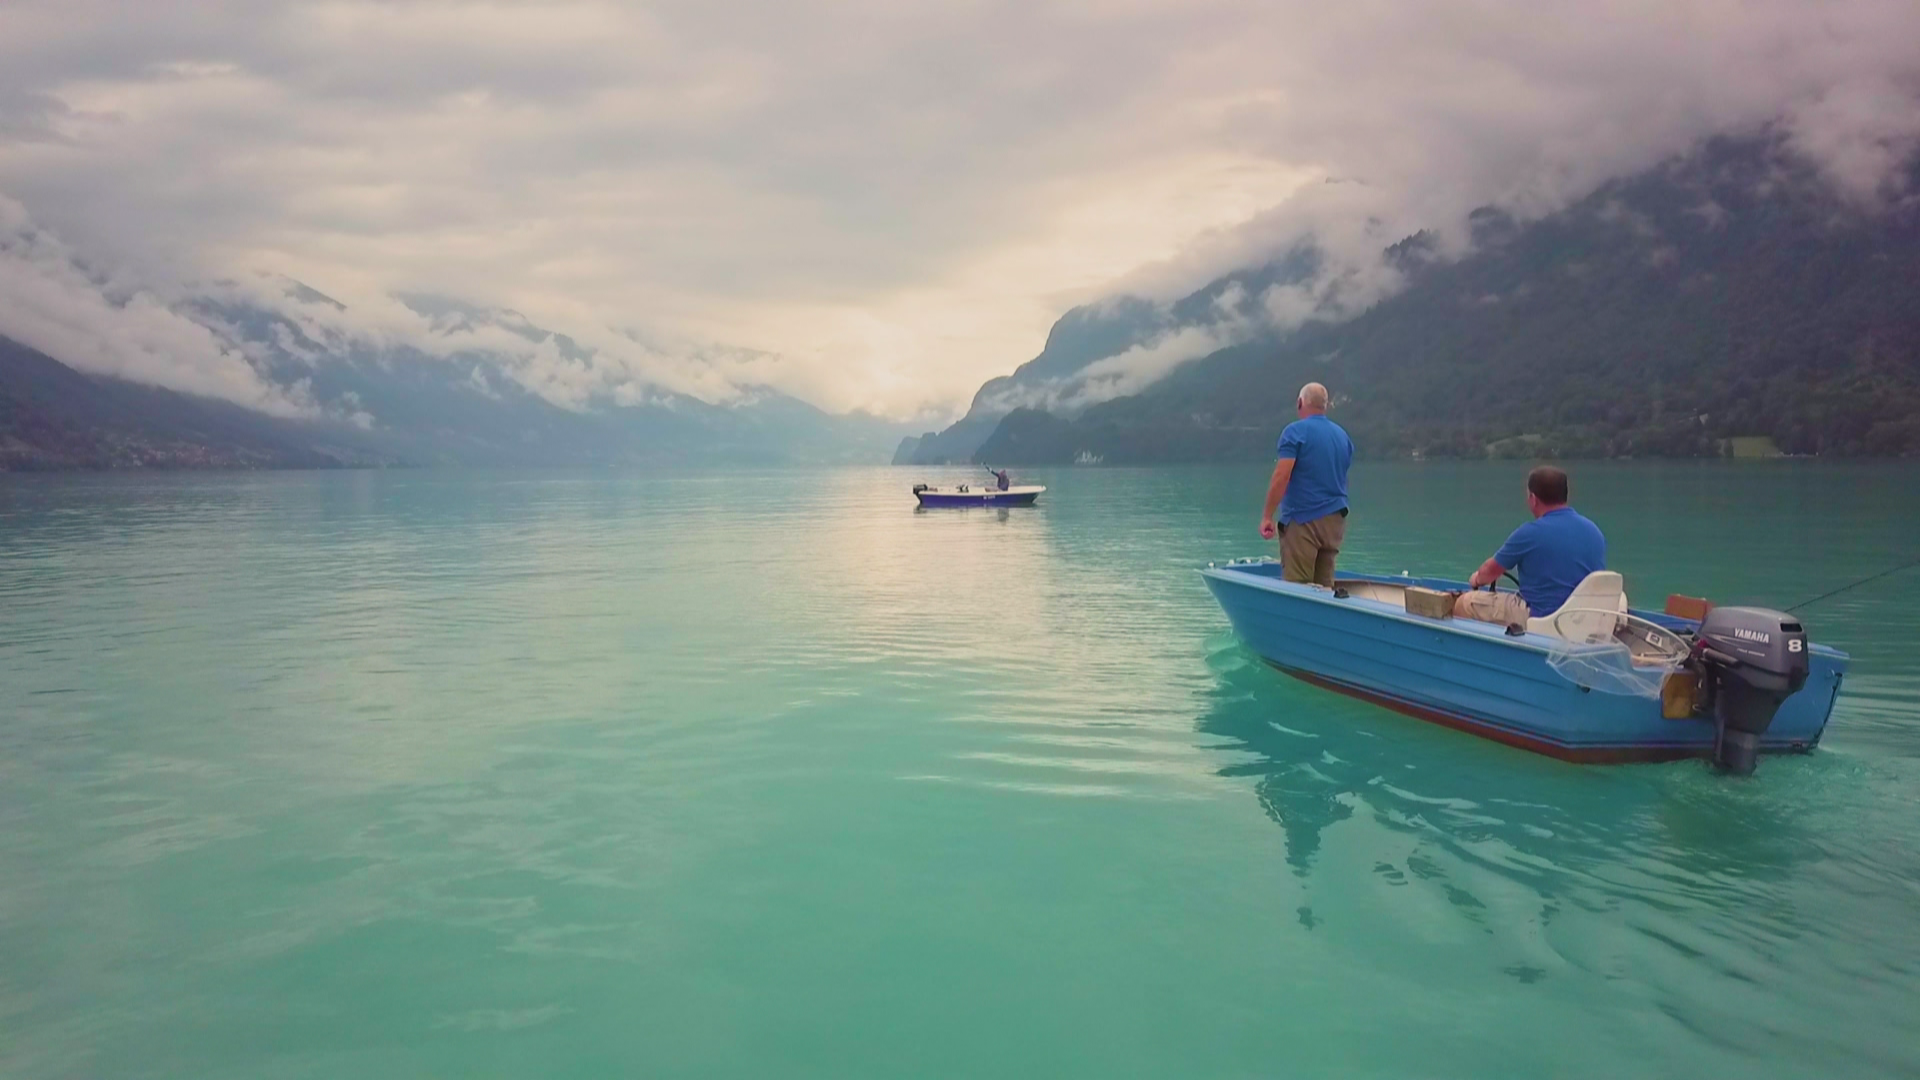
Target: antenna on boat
1871 577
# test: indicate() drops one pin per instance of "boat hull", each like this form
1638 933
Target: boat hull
1472 677
1015 497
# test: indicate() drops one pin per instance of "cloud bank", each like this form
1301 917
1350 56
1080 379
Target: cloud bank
862 203
50 302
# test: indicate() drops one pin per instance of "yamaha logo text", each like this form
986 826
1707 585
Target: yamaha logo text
1752 635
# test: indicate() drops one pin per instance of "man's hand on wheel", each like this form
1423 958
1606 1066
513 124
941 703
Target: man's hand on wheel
1268 530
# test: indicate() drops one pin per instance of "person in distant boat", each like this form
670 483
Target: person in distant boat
1309 489
1552 555
1000 477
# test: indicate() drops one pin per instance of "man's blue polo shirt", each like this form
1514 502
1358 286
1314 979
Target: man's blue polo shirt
1552 555
1321 452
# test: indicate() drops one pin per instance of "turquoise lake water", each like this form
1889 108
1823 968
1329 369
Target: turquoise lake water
568 774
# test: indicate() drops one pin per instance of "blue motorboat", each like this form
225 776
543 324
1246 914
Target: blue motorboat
977 495
1594 683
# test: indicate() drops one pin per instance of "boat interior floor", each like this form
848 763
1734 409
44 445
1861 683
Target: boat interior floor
1395 595
1648 644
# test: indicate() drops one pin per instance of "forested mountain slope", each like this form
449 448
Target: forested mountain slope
1729 293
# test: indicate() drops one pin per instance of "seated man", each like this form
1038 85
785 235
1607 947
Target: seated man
1552 555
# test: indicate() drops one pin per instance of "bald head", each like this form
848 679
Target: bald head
1313 399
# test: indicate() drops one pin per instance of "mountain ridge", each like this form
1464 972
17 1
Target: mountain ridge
1091 333
53 417
1724 293
396 405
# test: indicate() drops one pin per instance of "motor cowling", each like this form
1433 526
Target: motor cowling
1752 660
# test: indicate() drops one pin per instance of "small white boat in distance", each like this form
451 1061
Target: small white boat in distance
981 495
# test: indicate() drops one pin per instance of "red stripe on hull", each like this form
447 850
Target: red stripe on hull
1582 755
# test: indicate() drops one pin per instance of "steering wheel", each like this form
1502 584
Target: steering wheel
1494 585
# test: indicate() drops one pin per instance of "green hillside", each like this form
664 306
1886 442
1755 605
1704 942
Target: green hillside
1729 295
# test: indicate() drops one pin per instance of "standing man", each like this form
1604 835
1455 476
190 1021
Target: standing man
1552 554
1309 488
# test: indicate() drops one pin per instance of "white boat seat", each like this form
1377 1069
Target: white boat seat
1587 620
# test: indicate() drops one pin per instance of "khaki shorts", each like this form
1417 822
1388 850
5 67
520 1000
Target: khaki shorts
1505 608
1307 549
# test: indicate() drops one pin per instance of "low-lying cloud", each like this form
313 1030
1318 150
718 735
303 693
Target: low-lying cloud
49 302
181 336
864 204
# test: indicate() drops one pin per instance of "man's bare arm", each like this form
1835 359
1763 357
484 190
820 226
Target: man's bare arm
1276 490
1488 573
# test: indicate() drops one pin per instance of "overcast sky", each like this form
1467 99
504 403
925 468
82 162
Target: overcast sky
869 204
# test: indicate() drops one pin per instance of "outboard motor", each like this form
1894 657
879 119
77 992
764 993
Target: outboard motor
1752 659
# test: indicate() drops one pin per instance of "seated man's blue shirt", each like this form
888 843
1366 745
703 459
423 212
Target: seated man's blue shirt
1321 453
1552 555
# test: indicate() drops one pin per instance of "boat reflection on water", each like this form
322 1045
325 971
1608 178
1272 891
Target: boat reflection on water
1503 837
1480 888
1000 513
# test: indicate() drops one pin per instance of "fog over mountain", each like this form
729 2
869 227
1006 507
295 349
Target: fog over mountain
1729 300
853 205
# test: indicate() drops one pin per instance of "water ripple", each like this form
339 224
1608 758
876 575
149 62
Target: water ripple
513 774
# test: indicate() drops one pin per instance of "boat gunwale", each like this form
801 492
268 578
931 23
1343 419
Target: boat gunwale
1471 628
1018 489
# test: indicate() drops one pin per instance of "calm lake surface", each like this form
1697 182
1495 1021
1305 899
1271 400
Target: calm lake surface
606 774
